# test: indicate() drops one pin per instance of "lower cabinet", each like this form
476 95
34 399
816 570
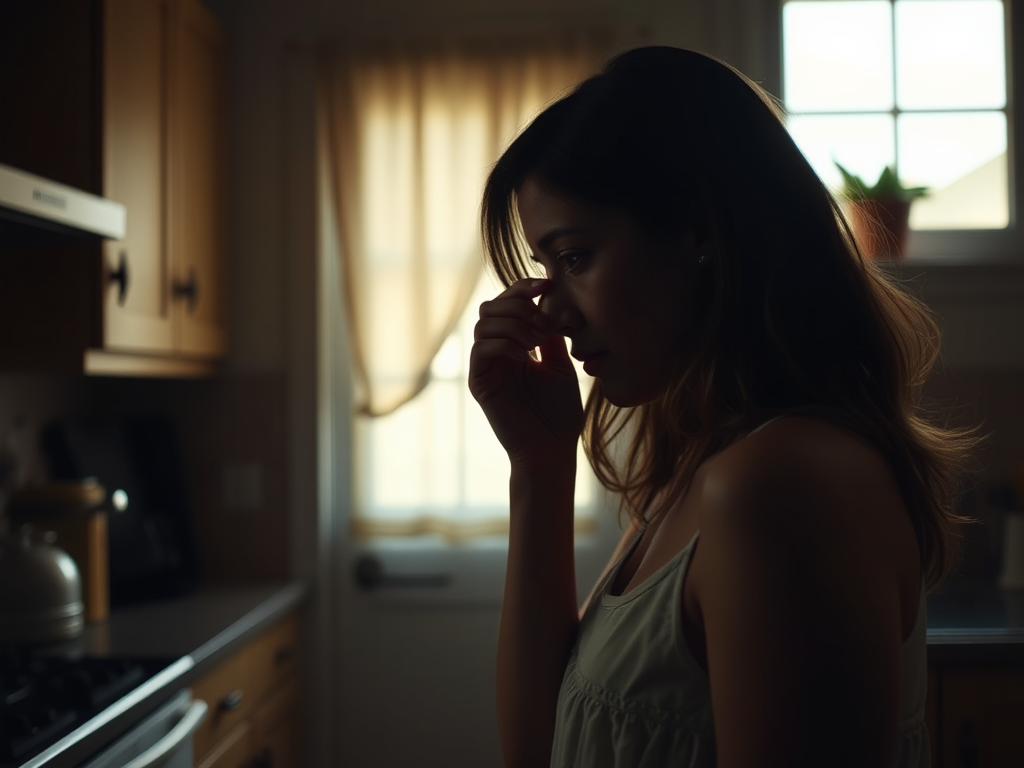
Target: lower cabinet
980 717
255 716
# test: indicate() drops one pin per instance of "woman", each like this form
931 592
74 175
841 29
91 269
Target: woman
755 405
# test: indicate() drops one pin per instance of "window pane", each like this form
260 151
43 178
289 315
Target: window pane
838 55
486 462
949 54
437 455
962 157
416 451
864 144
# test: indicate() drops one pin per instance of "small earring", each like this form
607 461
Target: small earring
702 260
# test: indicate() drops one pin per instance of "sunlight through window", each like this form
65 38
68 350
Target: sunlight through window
915 84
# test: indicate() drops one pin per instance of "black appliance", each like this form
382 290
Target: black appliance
152 551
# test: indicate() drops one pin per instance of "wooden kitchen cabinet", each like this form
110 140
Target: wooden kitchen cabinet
197 289
981 719
278 729
235 750
137 309
255 708
154 302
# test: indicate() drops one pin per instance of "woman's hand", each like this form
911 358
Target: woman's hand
534 407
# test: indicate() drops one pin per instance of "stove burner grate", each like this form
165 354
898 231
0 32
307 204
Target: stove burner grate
44 698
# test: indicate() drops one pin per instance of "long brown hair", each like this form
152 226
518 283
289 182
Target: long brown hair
794 318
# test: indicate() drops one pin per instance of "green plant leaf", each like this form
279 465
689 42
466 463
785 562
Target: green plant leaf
853 185
888 186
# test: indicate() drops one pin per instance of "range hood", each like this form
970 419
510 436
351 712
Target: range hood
34 202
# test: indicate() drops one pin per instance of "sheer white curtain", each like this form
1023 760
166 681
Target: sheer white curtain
410 130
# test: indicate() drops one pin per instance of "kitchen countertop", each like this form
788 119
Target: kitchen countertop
193 633
975 623
970 623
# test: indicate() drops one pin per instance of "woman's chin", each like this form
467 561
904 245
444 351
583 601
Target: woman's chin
626 397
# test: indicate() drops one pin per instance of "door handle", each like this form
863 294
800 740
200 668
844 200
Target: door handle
370 575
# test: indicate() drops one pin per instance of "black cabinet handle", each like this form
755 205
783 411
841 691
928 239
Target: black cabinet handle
231 702
369 574
284 654
188 290
120 276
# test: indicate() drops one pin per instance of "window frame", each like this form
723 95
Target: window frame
959 247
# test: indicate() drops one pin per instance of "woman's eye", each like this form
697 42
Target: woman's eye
572 259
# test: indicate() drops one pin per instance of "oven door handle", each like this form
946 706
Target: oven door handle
165 749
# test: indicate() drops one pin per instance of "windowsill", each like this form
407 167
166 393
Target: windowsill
961 278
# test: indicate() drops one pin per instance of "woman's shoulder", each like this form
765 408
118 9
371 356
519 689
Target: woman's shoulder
799 463
792 442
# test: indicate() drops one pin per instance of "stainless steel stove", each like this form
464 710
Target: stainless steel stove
48 705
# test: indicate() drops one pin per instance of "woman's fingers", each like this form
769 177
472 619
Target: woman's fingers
489 349
516 301
555 355
528 335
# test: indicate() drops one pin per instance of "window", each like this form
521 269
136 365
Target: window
434 466
920 85
410 132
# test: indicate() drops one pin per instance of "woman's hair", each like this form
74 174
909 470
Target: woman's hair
793 317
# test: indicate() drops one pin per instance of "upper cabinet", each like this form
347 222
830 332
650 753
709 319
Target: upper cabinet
154 302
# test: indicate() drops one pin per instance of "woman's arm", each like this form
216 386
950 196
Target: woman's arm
534 408
799 588
538 614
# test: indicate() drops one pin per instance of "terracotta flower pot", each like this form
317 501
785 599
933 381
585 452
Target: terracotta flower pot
880 227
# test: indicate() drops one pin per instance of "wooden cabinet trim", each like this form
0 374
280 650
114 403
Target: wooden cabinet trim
253 671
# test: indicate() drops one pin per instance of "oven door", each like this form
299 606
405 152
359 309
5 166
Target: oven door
162 740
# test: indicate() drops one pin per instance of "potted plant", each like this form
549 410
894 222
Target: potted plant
879 214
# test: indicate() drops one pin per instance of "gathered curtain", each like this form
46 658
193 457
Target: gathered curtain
410 131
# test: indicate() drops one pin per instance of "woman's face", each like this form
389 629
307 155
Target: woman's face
623 297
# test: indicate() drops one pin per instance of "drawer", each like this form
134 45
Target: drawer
235 687
235 751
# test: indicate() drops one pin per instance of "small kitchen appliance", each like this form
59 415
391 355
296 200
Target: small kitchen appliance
74 512
40 590
151 548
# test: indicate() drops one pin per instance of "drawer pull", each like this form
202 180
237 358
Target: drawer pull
188 290
284 654
231 702
120 276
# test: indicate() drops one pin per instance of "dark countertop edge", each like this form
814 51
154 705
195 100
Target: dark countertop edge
975 637
289 597
92 737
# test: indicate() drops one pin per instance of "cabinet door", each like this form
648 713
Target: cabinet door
233 751
277 728
196 174
982 714
137 313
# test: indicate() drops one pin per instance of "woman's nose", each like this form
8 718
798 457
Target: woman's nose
564 314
